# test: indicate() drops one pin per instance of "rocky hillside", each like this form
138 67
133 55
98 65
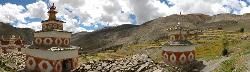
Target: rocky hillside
152 30
113 37
7 30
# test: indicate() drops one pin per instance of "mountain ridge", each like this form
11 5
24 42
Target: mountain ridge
109 37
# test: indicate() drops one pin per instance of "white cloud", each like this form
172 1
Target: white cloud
245 10
72 25
37 10
75 3
12 12
146 10
94 11
209 7
110 11
33 25
113 12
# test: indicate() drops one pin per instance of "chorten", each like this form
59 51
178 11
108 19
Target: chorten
12 43
179 51
51 50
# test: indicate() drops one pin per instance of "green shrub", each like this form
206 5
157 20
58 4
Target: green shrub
242 30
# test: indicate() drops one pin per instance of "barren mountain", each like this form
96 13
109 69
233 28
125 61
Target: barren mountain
157 28
113 37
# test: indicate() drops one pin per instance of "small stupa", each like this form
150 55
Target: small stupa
178 51
12 43
51 50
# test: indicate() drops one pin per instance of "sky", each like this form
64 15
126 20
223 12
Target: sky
90 15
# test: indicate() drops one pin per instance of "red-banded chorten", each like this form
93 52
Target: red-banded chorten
11 44
51 50
179 51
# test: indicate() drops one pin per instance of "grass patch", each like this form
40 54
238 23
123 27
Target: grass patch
234 64
150 48
209 50
237 62
227 66
245 47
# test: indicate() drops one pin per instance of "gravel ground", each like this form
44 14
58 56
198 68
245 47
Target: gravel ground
137 63
211 65
13 60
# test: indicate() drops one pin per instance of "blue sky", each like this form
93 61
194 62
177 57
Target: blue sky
19 2
90 15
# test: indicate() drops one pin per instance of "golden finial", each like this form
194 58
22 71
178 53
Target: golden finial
52 12
53 6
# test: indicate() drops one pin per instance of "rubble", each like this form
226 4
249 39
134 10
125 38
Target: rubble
136 63
13 60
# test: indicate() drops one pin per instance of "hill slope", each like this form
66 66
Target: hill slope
6 30
157 28
113 37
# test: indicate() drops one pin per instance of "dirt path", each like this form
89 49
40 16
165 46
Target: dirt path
211 65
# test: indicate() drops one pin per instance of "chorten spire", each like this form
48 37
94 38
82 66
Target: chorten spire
179 28
52 23
52 13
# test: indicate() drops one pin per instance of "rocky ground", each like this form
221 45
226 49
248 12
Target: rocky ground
136 63
247 62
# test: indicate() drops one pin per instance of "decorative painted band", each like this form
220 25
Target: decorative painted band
51 55
36 64
53 34
178 58
49 27
51 41
179 48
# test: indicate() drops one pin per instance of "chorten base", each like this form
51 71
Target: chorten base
38 60
178 55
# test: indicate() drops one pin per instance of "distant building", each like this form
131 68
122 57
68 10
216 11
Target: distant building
179 51
51 51
11 43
